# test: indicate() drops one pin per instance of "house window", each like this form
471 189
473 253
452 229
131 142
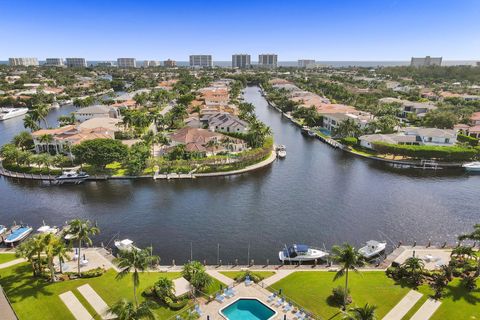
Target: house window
429 139
447 140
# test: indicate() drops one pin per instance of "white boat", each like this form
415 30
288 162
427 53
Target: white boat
7 113
47 229
472 166
124 245
281 151
71 176
3 230
301 253
18 234
372 248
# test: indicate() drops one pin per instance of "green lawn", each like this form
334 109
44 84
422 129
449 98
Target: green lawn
37 299
6 257
234 274
311 290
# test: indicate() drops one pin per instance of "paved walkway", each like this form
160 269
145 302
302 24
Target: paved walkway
426 310
75 306
280 274
95 301
403 306
222 278
12 263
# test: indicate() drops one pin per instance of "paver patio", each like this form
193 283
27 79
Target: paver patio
403 306
75 306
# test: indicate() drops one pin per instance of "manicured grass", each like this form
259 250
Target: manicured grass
312 289
6 257
37 299
234 274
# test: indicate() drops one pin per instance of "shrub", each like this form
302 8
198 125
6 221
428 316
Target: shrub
177 305
149 292
467 139
338 296
454 153
350 141
253 276
87 274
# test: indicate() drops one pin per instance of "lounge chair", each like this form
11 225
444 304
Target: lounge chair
231 292
230 288
298 315
220 298
287 307
248 281
271 297
279 302
197 310
178 318
226 293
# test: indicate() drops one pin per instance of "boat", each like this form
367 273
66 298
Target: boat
311 133
124 245
55 104
71 176
281 151
472 166
18 234
47 229
372 248
7 113
301 253
3 231
305 130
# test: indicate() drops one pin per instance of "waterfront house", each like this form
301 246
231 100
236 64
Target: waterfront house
331 121
112 124
97 111
225 122
63 138
410 107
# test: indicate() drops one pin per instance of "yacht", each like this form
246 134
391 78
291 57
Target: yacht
7 113
372 249
47 229
301 253
125 245
281 151
472 166
18 233
71 176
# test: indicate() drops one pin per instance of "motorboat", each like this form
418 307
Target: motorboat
3 230
281 151
301 253
7 113
372 248
311 133
472 166
124 245
71 176
47 229
18 233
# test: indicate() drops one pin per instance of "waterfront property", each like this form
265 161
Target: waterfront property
96 111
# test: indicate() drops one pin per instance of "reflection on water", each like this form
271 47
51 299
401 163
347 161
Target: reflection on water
317 196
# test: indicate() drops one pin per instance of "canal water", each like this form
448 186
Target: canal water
317 195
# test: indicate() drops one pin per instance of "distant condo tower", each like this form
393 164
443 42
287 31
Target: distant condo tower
23 61
268 60
151 63
201 61
76 62
425 62
241 61
305 63
170 63
54 62
126 63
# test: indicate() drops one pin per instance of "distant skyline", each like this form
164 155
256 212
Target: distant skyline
344 30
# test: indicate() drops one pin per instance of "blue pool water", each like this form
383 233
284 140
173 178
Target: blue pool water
247 309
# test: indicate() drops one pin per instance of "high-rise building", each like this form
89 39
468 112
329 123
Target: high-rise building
76 62
306 63
151 63
23 61
201 61
425 62
268 60
241 61
126 63
54 62
170 63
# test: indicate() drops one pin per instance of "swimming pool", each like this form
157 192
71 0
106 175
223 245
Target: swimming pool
247 309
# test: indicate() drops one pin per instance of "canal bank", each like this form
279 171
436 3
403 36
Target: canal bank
317 196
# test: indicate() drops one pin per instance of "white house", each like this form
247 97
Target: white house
331 121
411 107
225 122
97 111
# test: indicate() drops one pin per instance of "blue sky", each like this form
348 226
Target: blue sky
322 30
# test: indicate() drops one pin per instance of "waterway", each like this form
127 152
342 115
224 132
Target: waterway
317 195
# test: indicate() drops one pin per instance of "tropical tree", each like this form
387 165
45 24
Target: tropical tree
201 280
30 250
29 122
462 252
367 312
191 268
23 140
414 266
475 236
126 310
133 261
82 230
349 259
46 139
39 112
10 153
438 285
164 288
61 250
347 128
51 242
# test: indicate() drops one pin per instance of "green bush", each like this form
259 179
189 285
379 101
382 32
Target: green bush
177 305
149 292
350 141
255 277
338 295
454 153
467 139
87 274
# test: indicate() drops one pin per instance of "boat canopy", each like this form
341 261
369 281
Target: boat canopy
373 243
295 250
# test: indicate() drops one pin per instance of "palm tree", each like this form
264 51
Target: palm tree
191 268
349 259
29 250
475 236
438 285
462 252
23 140
61 250
347 128
40 112
82 230
164 288
415 267
367 312
46 139
51 241
126 310
30 122
135 261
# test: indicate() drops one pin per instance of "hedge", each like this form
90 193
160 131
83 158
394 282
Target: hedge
350 141
454 153
467 139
